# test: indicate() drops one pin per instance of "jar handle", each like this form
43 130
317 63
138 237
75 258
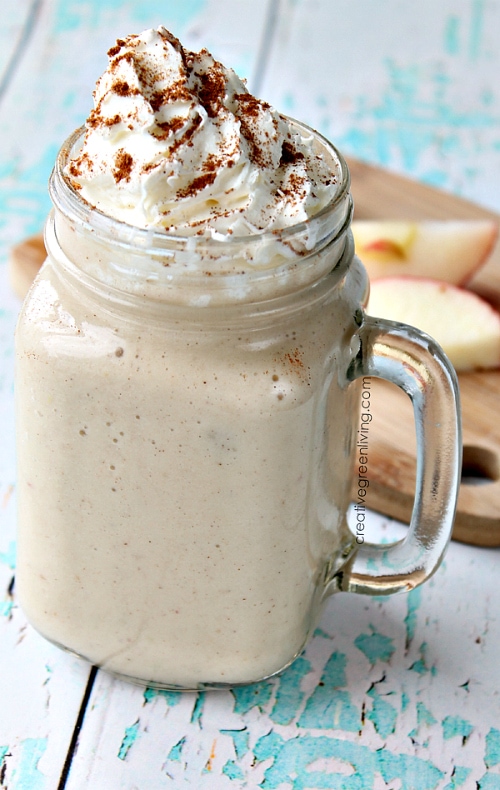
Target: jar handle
413 361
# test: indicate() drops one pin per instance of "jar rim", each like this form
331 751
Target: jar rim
72 204
201 269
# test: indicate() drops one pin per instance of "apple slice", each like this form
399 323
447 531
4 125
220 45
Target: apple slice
466 326
450 251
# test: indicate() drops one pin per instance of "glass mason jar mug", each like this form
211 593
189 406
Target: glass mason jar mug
187 416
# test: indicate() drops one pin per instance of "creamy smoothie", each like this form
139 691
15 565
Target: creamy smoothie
184 455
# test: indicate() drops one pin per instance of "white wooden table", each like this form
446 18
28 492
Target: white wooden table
390 693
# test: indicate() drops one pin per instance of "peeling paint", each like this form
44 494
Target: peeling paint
292 761
248 697
420 665
171 697
383 714
452 35
197 714
175 753
476 29
375 646
289 695
351 766
489 782
425 719
240 740
330 706
232 770
413 601
70 16
492 756
454 726
417 113
6 608
320 633
424 716
458 777
9 557
130 737
415 773
27 776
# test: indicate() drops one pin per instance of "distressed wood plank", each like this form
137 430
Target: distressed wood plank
380 679
412 88
50 94
409 684
392 678
15 19
41 688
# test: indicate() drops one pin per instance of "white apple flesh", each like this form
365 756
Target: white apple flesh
465 326
451 251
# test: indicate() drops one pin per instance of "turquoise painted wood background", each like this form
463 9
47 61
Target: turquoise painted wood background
399 693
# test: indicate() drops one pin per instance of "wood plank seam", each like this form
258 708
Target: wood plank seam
26 33
77 728
266 44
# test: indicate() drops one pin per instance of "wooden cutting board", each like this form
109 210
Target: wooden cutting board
379 194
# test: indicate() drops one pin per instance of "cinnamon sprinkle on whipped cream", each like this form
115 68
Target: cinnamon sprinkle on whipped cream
176 142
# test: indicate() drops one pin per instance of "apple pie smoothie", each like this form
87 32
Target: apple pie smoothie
184 479
185 422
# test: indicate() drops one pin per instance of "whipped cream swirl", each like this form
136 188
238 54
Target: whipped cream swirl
175 141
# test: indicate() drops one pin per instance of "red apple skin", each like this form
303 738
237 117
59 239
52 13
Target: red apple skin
385 246
490 313
487 238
